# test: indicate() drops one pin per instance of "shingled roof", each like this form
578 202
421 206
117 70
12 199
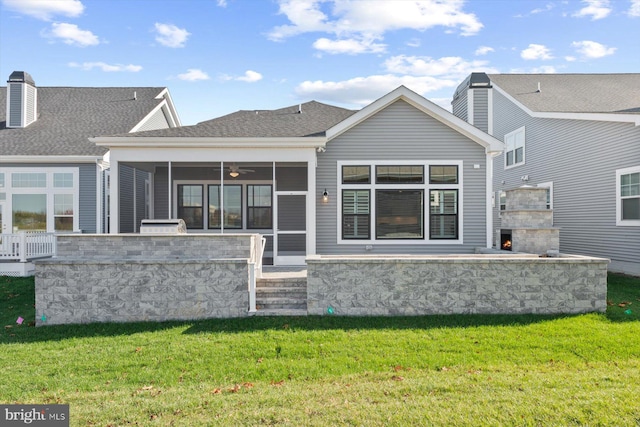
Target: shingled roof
573 93
68 116
303 120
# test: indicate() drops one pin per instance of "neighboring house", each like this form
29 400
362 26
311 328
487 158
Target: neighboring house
400 176
577 135
52 178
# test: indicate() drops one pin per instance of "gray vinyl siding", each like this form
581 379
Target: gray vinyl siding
157 121
459 106
125 180
88 198
480 109
15 104
401 132
161 193
581 158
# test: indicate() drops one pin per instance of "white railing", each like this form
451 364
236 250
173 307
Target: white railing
255 269
27 245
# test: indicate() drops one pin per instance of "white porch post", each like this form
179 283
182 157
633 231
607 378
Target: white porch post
312 196
489 198
114 199
169 179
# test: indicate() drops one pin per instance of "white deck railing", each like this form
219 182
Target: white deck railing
256 272
27 245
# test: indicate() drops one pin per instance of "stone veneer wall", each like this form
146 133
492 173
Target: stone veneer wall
414 285
129 291
132 277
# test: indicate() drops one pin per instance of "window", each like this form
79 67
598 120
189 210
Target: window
63 212
63 180
40 199
514 148
259 207
628 196
502 197
443 214
28 180
29 212
399 214
355 214
391 207
190 205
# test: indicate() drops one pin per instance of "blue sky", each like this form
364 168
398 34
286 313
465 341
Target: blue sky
220 56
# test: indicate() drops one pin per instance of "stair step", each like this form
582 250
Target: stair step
281 312
284 282
286 300
281 292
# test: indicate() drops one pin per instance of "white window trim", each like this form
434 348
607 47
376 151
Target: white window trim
549 185
524 148
619 221
49 190
426 187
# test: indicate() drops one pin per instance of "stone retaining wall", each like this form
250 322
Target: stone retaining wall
414 285
70 291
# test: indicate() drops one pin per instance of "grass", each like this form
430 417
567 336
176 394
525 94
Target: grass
434 370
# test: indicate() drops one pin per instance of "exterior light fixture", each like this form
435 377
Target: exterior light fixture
325 196
234 174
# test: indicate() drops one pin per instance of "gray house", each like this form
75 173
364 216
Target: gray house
52 178
400 176
577 135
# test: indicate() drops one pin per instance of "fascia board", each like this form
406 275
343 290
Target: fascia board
172 108
184 142
433 110
50 159
600 117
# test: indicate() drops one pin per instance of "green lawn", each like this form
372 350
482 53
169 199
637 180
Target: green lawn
432 370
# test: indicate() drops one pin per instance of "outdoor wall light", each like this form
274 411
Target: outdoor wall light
234 174
325 196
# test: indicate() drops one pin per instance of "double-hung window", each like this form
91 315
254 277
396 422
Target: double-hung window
628 196
386 202
514 154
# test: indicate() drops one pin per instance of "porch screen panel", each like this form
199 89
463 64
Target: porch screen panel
214 206
292 213
232 206
292 244
259 207
190 205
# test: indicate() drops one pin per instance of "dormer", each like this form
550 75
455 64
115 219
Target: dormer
22 100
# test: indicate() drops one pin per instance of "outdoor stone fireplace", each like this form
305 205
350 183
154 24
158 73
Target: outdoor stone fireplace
527 224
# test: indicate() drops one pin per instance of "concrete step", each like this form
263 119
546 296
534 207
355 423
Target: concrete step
281 312
282 282
282 292
268 303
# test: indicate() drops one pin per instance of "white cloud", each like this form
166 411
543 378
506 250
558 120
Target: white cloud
362 22
222 3
570 58
592 50
634 10
596 9
547 8
536 51
348 46
87 66
545 69
193 75
171 36
449 67
249 76
72 35
45 9
483 50
415 42
364 90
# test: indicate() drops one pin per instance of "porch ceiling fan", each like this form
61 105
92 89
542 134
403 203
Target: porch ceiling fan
235 170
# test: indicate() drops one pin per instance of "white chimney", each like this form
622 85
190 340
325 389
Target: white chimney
22 100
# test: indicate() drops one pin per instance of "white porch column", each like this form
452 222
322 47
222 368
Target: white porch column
114 198
312 196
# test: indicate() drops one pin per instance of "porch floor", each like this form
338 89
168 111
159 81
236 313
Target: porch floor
276 272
